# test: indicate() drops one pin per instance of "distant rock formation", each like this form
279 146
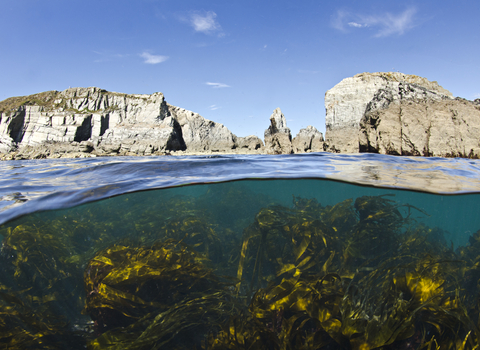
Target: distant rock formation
278 139
346 102
83 120
249 143
414 121
308 139
390 113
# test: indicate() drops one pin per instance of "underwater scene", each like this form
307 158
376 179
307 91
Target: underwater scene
246 264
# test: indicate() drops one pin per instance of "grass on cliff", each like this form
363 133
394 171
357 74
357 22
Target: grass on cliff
47 99
12 104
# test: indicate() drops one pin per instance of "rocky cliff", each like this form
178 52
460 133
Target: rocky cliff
108 123
346 102
414 121
391 113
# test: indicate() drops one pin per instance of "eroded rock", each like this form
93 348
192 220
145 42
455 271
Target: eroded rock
419 122
251 143
113 123
278 139
308 139
346 102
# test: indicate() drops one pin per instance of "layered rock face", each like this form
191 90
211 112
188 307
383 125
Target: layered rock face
107 123
346 102
278 139
414 121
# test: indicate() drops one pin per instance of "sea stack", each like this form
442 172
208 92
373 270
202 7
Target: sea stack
278 139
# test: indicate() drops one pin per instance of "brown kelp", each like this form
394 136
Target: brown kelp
364 273
149 297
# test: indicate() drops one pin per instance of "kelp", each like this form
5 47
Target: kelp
180 274
149 297
40 292
358 275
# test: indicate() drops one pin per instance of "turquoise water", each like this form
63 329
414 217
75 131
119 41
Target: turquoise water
457 215
81 242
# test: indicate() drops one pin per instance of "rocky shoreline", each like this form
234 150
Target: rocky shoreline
388 113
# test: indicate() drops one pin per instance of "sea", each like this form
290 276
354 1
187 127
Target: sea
317 251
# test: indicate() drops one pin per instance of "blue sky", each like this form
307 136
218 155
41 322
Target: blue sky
233 61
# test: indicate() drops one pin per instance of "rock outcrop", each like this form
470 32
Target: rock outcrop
250 143
345 105
414 121
308 139
278 139
390 113
111 123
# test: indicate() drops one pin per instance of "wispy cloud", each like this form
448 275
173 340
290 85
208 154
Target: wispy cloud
153 59
217 85
205 22
385 24
214 107
357 25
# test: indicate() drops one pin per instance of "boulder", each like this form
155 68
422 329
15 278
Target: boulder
414 121
308 139
346 102
278 139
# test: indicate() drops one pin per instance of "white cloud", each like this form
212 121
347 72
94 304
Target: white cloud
385 23
214 107
153 59
358 25
217 85
205 23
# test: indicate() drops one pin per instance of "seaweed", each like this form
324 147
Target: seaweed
149 297
174 273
